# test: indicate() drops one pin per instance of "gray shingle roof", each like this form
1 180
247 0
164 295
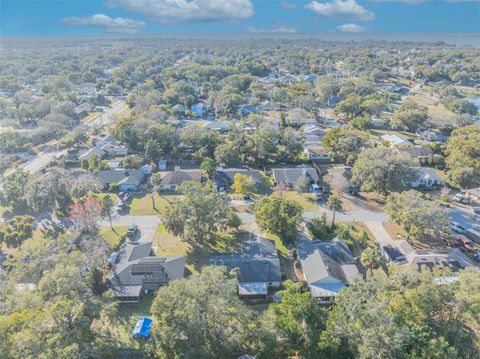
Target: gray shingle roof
257 261
120 176
224 176
135 268
326 260
291 175
180 176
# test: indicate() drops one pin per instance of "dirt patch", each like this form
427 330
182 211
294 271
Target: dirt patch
372 200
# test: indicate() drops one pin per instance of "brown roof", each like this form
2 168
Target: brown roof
416 152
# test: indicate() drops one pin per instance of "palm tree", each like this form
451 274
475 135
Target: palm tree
334 202
156 184
371 258
107 203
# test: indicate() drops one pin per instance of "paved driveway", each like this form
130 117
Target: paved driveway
146 224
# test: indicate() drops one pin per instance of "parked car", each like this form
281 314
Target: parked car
476 210
466 243
132 230
476 256
120 207
457 227
458 198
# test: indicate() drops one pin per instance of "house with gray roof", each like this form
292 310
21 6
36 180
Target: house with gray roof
328 266
258 266
136 271
125 179
224 177
172 179
290 176
426 178
418 153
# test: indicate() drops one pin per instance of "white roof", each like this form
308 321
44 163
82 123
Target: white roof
396 140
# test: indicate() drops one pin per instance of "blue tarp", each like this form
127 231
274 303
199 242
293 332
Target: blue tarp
142 328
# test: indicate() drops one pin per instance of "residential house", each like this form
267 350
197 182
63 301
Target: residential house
402 253
125 179
135 271
432 136
172 179
83 109
426 178
291 176
198 109
247 109
316 154
87 89
473 194
314 130
327 266
86 154
114 149
418 153
396 141
219 126
288 79
102 140
224 177
258 267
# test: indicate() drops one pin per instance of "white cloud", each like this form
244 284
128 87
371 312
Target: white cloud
276 29
342 9
118 24
289 5
165 11
351 28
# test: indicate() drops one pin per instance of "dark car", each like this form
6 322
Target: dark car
132 230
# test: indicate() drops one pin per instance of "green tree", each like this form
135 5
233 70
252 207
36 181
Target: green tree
200 214
410 116
107 208
463 157
279 216
335 203
209 168
243 184
371 258
16 230
298 320
419 215
404 315
344 143
319 229
228 154
202 317
13 188
156 185
383 170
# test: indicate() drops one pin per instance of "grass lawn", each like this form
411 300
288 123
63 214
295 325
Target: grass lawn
101 195
359 227
166 244
90 117
113 238
394 230
306 200
286 264
373 200
142 204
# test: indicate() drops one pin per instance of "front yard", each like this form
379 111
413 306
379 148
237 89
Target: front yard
141 204
306 200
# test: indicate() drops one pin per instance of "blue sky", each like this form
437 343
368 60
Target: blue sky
96 17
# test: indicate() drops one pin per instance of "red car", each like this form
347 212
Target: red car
466 243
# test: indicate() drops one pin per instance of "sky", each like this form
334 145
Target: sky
97 17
